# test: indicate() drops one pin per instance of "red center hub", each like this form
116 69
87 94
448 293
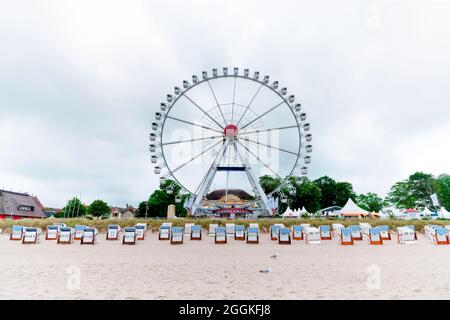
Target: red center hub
230 130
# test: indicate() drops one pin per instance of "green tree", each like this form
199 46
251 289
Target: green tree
269 183
370 202
442 187
142 208
99 208
307 195
73 208
344 191
160 199
414 192
327 188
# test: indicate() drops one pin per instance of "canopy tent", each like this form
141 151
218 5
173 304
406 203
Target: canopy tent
427 211
411 214
445 213
304 212
291 214
351 209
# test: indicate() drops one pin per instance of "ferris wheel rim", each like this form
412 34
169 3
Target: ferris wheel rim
284 101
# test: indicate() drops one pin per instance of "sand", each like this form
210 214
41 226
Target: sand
155 269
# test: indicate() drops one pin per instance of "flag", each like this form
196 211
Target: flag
435 200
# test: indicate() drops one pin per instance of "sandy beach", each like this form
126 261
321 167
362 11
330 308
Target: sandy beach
155 269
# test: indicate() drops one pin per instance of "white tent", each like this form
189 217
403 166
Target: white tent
351 209
427 212
304 212
444 213
290 214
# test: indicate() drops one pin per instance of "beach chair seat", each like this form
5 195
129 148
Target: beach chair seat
325 232
346 237
164 232
254 225
129 236
31 235
188 228
441 236
253 235
52 232
141 228
212 229
297 233
305 225
65 235
220 235
356 232
113 232
336 229
79 228
406 235
312 235
176 235
274 232
229 229
89 236
239 232
16 233
375 236
384 232
196 232
284 236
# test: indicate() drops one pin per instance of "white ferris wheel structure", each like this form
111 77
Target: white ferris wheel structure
223 131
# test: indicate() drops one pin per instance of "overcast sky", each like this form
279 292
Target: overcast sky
80 82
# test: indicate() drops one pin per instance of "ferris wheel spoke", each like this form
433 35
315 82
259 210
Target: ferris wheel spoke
262 115
269 146
202 110
234 99
265 130
192 140
217 101
193 124
257 158
248 107
195 157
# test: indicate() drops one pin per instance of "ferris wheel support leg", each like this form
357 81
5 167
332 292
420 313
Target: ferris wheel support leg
208 180
263 201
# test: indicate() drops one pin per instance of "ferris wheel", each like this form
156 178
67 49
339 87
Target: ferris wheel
223 131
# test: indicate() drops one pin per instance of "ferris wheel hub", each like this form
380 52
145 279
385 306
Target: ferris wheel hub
231 130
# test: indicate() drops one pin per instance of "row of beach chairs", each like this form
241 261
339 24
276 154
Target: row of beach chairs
278 232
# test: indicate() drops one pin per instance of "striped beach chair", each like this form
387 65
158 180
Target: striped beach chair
65 235
274 232
176 235
89 236
164 232
252 235
406 235
229 228
284 236
239 232
312 235
52 232
365 229
113 232
79 228
31 235
16 233
325 232
356 232
346 237
141 228
129 235
297 232
375 236
196 232
384 232
441 235
220 235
